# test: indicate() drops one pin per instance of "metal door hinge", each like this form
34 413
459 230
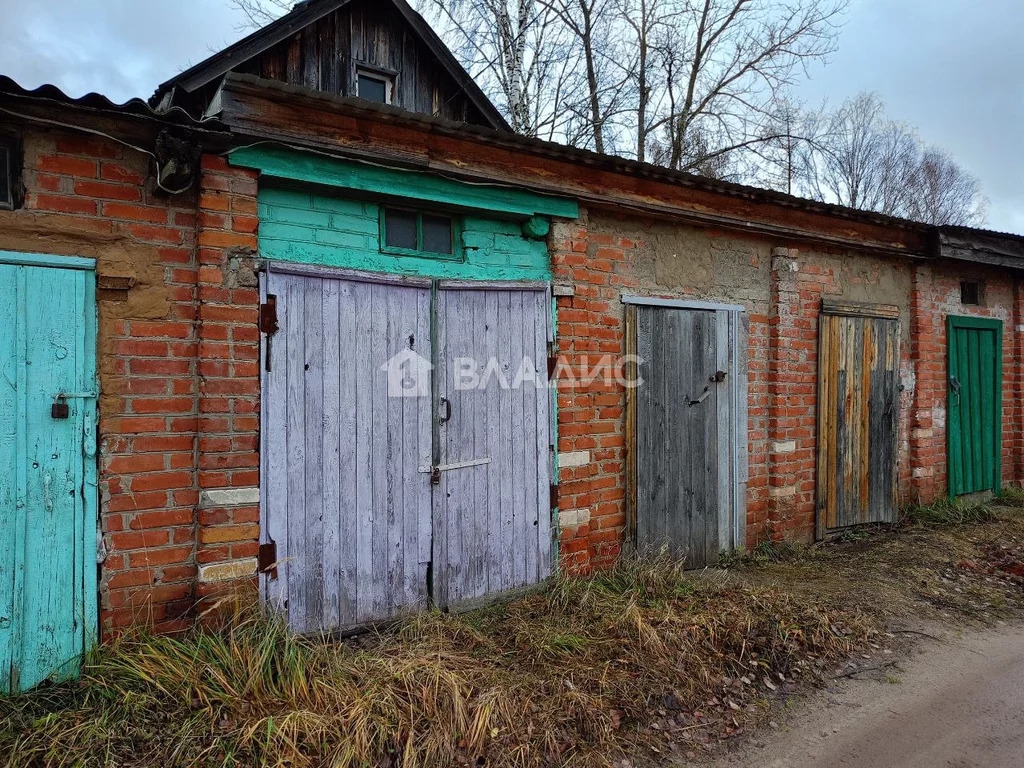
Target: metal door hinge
267 559
268 323
268 315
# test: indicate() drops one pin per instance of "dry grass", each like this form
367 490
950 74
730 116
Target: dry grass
632 661
936 564
572 676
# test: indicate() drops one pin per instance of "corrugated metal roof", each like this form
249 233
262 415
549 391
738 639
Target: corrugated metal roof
100 103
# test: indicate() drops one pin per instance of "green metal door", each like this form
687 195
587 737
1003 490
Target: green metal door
47 467
975 404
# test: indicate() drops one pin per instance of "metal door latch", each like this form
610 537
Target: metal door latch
60 409
701 399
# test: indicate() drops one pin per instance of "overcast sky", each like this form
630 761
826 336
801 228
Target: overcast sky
953 68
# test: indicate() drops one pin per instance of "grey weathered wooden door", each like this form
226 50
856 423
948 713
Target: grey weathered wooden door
492 513
688 419
389 479
344 501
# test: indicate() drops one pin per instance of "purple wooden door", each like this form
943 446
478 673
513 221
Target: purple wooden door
387 484
492 509
345 486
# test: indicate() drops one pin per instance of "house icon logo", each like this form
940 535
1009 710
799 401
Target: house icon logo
408 375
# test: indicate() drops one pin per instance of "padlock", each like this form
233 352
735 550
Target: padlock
60 409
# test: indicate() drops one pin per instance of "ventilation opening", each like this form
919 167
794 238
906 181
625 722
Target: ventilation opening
10 171
970 292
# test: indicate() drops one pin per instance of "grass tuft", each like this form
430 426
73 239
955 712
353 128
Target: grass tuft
947 512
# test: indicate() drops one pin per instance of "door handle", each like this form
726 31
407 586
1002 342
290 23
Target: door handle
954 387
447 405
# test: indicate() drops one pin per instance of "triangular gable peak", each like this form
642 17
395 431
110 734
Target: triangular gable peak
380 50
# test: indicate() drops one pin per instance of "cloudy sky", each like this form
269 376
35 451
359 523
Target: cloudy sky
953 68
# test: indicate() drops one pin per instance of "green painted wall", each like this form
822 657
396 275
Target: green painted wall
309 227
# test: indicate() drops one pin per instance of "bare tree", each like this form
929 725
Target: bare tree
260 12
941 192
856 156
732 59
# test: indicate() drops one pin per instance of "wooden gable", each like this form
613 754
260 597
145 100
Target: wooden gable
325 44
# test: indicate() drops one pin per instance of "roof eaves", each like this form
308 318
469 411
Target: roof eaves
389 113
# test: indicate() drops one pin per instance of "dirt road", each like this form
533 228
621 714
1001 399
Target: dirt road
954 704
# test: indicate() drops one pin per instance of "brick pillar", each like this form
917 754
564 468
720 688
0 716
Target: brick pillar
1013 418
591 422
229 379
927 350
792 395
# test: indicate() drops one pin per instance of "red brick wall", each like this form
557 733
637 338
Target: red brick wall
936 295
179 369
229 375
177 359
590 418
601 260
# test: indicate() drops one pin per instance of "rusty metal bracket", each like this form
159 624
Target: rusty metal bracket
267 559
268 323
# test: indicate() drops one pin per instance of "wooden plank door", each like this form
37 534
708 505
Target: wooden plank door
688 415
975 404
858 415
492 516
47 472
346 455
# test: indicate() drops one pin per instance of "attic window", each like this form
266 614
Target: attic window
374 85
10 173
970 292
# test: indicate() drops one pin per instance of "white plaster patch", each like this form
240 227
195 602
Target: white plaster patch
563 290
230 497
920 434
233 569
923 471
573 459
785 446
939 416
785 490
571 518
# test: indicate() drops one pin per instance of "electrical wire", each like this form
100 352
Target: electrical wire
94 132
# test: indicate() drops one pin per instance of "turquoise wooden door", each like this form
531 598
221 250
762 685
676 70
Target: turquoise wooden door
975 404
47 468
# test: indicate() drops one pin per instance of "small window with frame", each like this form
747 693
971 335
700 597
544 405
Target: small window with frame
411 232
375 85
10 173
971 292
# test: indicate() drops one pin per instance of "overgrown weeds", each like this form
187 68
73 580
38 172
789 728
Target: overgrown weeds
635 660
572 676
